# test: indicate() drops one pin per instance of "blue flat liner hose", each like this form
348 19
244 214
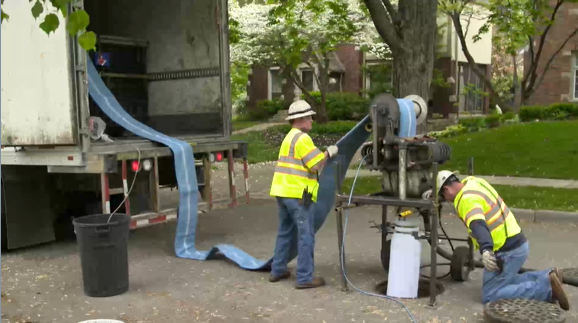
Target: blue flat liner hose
187 180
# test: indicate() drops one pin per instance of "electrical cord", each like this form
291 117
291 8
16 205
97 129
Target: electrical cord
343 247
443 264
131 186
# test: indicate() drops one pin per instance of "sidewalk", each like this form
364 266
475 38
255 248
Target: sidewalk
496 180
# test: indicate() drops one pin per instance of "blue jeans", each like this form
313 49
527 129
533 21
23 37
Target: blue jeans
295 222
509 284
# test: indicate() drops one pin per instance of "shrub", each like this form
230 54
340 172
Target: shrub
493 120
531 113
450 131
332 128
473 124
558 111
265 109
344 105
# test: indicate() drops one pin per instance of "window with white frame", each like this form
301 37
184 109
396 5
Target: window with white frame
575 76
308 79
275 84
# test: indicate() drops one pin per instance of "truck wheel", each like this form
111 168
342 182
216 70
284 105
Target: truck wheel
459 264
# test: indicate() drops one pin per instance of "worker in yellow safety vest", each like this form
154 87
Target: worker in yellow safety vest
295 185
502 244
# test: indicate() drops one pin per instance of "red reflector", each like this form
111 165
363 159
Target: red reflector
219 156
135 166
70 157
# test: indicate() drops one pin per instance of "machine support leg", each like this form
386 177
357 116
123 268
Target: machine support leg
125 187
434 242
384 248
207 192
105 193
339 218
246 175
154 187
232 187
434 262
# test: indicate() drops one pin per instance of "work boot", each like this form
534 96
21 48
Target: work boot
275 279
316 282
558 292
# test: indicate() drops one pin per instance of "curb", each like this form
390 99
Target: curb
535 216
546 216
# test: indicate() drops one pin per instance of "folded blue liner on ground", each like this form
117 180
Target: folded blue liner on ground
187 180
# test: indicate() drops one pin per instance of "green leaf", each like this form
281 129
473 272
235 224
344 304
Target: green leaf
77 21
5 16
37 9
62 5
50 23
87 40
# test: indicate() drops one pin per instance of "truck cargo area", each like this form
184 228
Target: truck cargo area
167 64
163 62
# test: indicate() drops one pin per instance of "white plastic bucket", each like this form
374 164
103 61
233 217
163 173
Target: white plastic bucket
404 261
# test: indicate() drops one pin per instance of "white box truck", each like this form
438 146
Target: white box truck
167 64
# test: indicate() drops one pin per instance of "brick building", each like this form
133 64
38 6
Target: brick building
560 83
351 71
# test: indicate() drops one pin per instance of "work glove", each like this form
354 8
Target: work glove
332 151
489 260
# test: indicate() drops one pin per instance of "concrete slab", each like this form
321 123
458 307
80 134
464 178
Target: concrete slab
43 284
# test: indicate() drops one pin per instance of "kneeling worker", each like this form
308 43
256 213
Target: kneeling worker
504 248
295 185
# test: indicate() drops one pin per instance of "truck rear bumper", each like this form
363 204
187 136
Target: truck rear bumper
104 157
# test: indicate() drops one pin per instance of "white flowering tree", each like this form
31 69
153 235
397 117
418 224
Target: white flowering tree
302 32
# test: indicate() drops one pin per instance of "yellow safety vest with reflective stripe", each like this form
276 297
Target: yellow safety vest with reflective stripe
478 200
293 174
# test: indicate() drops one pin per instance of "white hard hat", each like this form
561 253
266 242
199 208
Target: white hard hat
299 109
443 176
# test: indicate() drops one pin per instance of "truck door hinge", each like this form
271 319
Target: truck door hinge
84 131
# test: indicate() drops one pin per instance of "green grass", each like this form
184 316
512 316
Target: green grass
527 197
242 124
541 149
259 150
264 145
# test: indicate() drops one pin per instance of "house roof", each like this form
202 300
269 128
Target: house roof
335 64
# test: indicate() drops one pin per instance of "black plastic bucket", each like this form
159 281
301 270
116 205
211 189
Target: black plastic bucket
103 249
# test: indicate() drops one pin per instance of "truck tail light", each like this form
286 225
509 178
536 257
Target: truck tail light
135 165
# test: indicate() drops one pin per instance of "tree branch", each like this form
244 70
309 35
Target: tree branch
531 42
459 30
532 73
392 12
533 85
295 78
384 27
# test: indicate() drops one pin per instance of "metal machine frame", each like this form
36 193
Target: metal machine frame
462 259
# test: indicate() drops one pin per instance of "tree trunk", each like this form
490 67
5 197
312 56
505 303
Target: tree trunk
413 66
410 32
517 87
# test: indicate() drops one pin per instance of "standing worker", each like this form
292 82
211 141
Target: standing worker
295 185
504 248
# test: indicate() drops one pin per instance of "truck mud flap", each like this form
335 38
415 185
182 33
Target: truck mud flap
188 201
